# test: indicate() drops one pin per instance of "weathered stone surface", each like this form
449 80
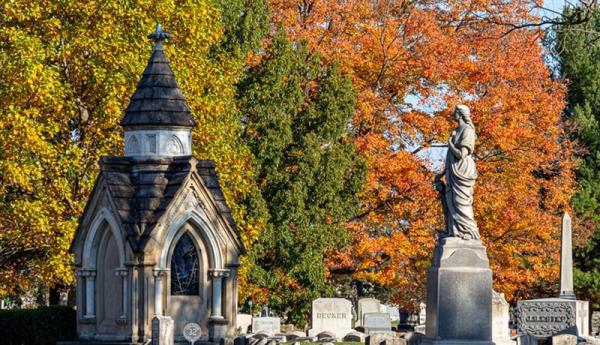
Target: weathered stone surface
500 319
355 336
269 325
422 317
595 323
243 321
421 329
377 322
394 312
326 336
564 339
566 260
162 330
459 293
546 317
332 315
378 338
589 340
367 305
261 334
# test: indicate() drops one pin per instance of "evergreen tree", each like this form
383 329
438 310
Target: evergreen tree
297 115
578 52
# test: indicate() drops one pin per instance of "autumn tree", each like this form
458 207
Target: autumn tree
67 70
297 113
411 63
578 50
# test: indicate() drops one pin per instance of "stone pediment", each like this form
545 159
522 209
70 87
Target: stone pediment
142 190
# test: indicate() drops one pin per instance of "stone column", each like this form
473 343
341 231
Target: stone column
159 273
123 273
217 275
89 277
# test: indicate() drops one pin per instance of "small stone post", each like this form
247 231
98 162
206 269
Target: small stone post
162 330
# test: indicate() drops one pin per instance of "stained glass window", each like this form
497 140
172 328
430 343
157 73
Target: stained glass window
184 268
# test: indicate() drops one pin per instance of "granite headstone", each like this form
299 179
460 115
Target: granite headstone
367 305
331 315
269 325
377 322
500 319
394 312
243 322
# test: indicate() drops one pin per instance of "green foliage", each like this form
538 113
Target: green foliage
67 70
41 326
578 52
297 126
245 24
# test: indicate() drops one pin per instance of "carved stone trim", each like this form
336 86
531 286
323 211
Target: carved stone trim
160 272
121 272
218 273
85 273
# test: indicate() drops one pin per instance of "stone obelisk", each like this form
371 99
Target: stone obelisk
459 282
566 260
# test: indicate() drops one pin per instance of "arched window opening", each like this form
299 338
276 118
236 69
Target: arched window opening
185 278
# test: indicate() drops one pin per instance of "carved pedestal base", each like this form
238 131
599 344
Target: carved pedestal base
217 329
459 294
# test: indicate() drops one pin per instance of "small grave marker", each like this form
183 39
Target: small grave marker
191 332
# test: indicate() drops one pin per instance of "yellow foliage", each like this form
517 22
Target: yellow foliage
67 70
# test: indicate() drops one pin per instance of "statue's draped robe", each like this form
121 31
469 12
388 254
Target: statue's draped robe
460 179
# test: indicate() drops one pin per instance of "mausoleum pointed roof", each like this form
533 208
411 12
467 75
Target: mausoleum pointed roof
157 100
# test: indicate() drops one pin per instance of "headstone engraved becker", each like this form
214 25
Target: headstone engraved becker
331 315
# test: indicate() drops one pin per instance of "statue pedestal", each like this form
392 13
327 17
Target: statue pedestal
459 294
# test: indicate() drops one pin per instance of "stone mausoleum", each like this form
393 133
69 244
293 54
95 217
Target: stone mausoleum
156 237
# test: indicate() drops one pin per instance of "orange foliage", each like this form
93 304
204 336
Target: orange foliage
411 63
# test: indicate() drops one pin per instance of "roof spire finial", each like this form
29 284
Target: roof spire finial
158 36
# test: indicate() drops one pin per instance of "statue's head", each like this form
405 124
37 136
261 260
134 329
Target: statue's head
462 112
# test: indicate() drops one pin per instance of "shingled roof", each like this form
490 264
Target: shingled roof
142 190
158 101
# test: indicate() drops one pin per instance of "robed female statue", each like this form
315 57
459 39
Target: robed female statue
460 174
